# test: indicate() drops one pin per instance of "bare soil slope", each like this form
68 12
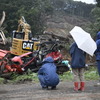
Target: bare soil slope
60 25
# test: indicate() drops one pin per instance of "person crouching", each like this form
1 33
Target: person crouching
47 74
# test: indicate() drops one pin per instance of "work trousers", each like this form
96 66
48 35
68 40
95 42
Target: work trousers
42 81
78 74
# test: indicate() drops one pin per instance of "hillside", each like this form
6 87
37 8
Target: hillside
60 25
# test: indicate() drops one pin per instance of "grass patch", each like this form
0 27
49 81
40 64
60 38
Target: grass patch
29 76
2 80
66 76
90 74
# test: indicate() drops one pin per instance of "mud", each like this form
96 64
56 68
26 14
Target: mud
33 91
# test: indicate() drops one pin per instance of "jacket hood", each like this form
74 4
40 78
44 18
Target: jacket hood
98 35
48 59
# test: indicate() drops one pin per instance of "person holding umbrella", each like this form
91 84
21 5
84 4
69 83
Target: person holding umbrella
78 66
83 44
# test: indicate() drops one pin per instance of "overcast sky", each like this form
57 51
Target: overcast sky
87 1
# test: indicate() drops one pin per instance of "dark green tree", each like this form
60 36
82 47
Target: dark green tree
98 3
95 27
34 12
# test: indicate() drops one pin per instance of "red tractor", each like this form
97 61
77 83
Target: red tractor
32 60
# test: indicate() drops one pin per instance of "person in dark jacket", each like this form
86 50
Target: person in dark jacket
78 66
47 74
97 55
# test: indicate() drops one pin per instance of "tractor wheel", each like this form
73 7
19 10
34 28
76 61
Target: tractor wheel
4 74
62 68
2 68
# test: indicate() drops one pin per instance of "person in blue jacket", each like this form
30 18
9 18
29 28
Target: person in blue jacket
78 66
47 74
97 54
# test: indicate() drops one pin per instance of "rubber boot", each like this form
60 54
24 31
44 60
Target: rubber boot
76 86
82 86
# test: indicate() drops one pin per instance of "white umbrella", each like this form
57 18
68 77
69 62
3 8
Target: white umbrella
83 40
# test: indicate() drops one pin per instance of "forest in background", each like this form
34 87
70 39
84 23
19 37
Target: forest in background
36 13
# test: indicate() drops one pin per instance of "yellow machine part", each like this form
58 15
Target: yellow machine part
20 46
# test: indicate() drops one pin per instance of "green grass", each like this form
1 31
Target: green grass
90 74
2 80
66 76
16 78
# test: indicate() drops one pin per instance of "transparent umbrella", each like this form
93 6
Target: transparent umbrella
83 40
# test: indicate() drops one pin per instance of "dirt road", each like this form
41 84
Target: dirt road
33 91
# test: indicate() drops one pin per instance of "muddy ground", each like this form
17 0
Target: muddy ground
33 91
